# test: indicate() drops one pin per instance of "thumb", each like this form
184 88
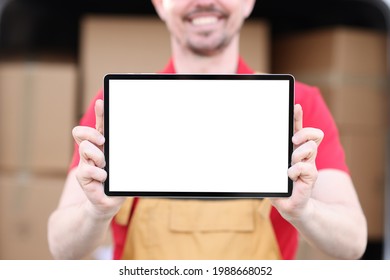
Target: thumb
99 114
298 118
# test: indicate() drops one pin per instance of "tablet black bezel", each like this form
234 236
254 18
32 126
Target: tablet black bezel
285 77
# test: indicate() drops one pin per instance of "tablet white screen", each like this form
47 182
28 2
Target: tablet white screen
198 136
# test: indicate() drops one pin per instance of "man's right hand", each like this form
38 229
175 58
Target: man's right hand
90 173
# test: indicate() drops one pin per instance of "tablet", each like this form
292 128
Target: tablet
184 136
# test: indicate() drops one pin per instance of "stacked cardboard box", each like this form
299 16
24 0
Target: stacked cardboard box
115 44
255 44
26 201
349 65
37 114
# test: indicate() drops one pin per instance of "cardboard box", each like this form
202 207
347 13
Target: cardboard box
255 44
37 114
26 202
119 44
356 103
365 152
349 65
350 51
123 44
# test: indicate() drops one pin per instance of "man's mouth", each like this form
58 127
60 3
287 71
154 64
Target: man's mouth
204 17
204 20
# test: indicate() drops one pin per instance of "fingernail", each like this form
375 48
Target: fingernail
102 139
294 139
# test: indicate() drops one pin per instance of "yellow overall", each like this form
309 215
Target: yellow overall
199 229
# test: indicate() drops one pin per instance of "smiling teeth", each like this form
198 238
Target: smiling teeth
204 20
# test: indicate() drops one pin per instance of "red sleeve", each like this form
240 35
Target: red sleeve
88 119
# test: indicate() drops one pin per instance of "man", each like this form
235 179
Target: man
323 208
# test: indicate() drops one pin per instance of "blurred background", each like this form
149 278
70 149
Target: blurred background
54 54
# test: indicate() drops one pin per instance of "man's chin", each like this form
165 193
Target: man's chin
208 50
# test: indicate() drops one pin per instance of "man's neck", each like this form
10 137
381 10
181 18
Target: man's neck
224 62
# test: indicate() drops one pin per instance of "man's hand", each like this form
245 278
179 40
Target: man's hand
90 173
303 170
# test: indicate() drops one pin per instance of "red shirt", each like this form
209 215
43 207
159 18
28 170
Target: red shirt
330 155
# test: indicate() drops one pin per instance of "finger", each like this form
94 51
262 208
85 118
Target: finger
99 114
89 152
83 133
305 152
307 134
305 171
298 118
89 173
